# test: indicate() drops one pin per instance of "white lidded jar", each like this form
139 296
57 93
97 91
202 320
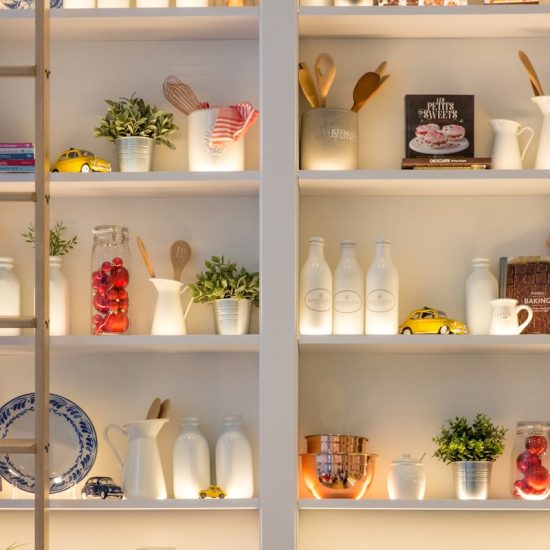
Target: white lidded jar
406 479
348 312
315 291
191 460
59 299
481 290
10 294
234 470
382 294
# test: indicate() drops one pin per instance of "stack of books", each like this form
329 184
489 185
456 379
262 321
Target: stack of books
16 157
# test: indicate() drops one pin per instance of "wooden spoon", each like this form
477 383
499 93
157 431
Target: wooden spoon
381 68
535 82
382 80
325 72
306 83
146 258
164 409
180 252
365 86
154 409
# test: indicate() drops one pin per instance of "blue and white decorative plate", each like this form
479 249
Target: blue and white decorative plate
26 4
73 442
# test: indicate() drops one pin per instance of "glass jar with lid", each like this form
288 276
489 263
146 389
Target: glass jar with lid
406 479
110 278
531 461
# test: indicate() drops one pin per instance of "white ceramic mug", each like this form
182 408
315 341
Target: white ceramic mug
505 316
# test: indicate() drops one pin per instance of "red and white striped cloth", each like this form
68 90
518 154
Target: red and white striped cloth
232 123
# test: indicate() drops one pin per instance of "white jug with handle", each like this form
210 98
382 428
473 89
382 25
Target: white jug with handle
505 316
143 475
543 152
506 153
169 317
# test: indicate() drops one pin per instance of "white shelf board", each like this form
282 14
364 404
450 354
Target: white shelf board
491 505
424 182
111 505
120 24
426 22
141 184
426 343
192 343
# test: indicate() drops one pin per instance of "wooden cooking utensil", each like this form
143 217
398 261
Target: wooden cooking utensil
325 72
164 409
382 80
180 252
146 258
307 86
154 409
364 88
381 68
535 82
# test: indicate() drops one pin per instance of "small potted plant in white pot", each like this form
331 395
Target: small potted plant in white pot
135 126
231 291
471 449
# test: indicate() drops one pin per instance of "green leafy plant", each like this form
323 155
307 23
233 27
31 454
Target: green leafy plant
133 116
59 246
15 545
224 280
459 440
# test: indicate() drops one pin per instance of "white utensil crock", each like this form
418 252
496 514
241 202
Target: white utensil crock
506 153
543 152
169 317
505 316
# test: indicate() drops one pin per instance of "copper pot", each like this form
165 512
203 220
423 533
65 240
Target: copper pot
336 443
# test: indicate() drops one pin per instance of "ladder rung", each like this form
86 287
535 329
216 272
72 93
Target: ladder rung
18 197
18 446
29 70
17 322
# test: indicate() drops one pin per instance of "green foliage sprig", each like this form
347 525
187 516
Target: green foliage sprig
224 280
15 545
58 245
133 116
459 441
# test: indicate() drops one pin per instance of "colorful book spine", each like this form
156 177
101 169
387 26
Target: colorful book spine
8 169
17 162
16 145
16 156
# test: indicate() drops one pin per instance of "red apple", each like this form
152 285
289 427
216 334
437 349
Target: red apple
536 444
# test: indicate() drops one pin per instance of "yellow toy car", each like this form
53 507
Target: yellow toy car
431 321
79 160
212 492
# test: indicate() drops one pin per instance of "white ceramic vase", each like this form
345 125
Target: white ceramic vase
543 151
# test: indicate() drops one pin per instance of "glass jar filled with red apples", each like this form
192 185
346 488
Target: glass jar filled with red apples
531 461
109 280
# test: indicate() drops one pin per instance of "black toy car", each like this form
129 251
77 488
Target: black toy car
101 487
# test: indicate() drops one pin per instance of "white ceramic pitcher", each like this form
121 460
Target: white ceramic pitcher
143 475
543 152
505 316
507 154
169 317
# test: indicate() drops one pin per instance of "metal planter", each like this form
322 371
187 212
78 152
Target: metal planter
232 316
135 154
472 479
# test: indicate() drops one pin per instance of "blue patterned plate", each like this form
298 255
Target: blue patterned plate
73 442
26 4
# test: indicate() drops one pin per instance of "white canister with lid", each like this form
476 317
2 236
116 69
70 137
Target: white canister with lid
406 479
10 304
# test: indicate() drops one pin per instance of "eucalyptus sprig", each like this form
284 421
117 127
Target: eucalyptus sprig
59 246
458 440
224 280
133 116
15 545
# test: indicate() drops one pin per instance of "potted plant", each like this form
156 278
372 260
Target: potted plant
59 287
471 449
135 126
231 290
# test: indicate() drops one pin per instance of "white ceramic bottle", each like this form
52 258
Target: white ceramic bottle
234 471
481 290
10 294
59 299
315 291
382 295
348 312
191 460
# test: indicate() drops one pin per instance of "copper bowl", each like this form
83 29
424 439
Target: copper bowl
338 475
336 443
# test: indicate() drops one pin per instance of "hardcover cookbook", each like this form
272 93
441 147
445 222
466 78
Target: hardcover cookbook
439 125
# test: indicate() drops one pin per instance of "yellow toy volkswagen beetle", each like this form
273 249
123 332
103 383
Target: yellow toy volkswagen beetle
431 321
213 491
80 160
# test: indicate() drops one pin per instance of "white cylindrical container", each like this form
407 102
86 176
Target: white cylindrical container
152 3
59 299
10 292
382 294
481 290
315 291
234 470
78 4
202 157
113 3
406 479
191 3
191 460
348 312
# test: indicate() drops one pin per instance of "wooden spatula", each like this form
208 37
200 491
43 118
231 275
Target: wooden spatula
325 72
154 409
307 85
180 252
146 258
535 82
365 86
164 409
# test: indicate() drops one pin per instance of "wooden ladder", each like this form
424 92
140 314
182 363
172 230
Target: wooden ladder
39 446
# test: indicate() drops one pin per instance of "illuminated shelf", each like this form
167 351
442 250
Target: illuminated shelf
192 343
